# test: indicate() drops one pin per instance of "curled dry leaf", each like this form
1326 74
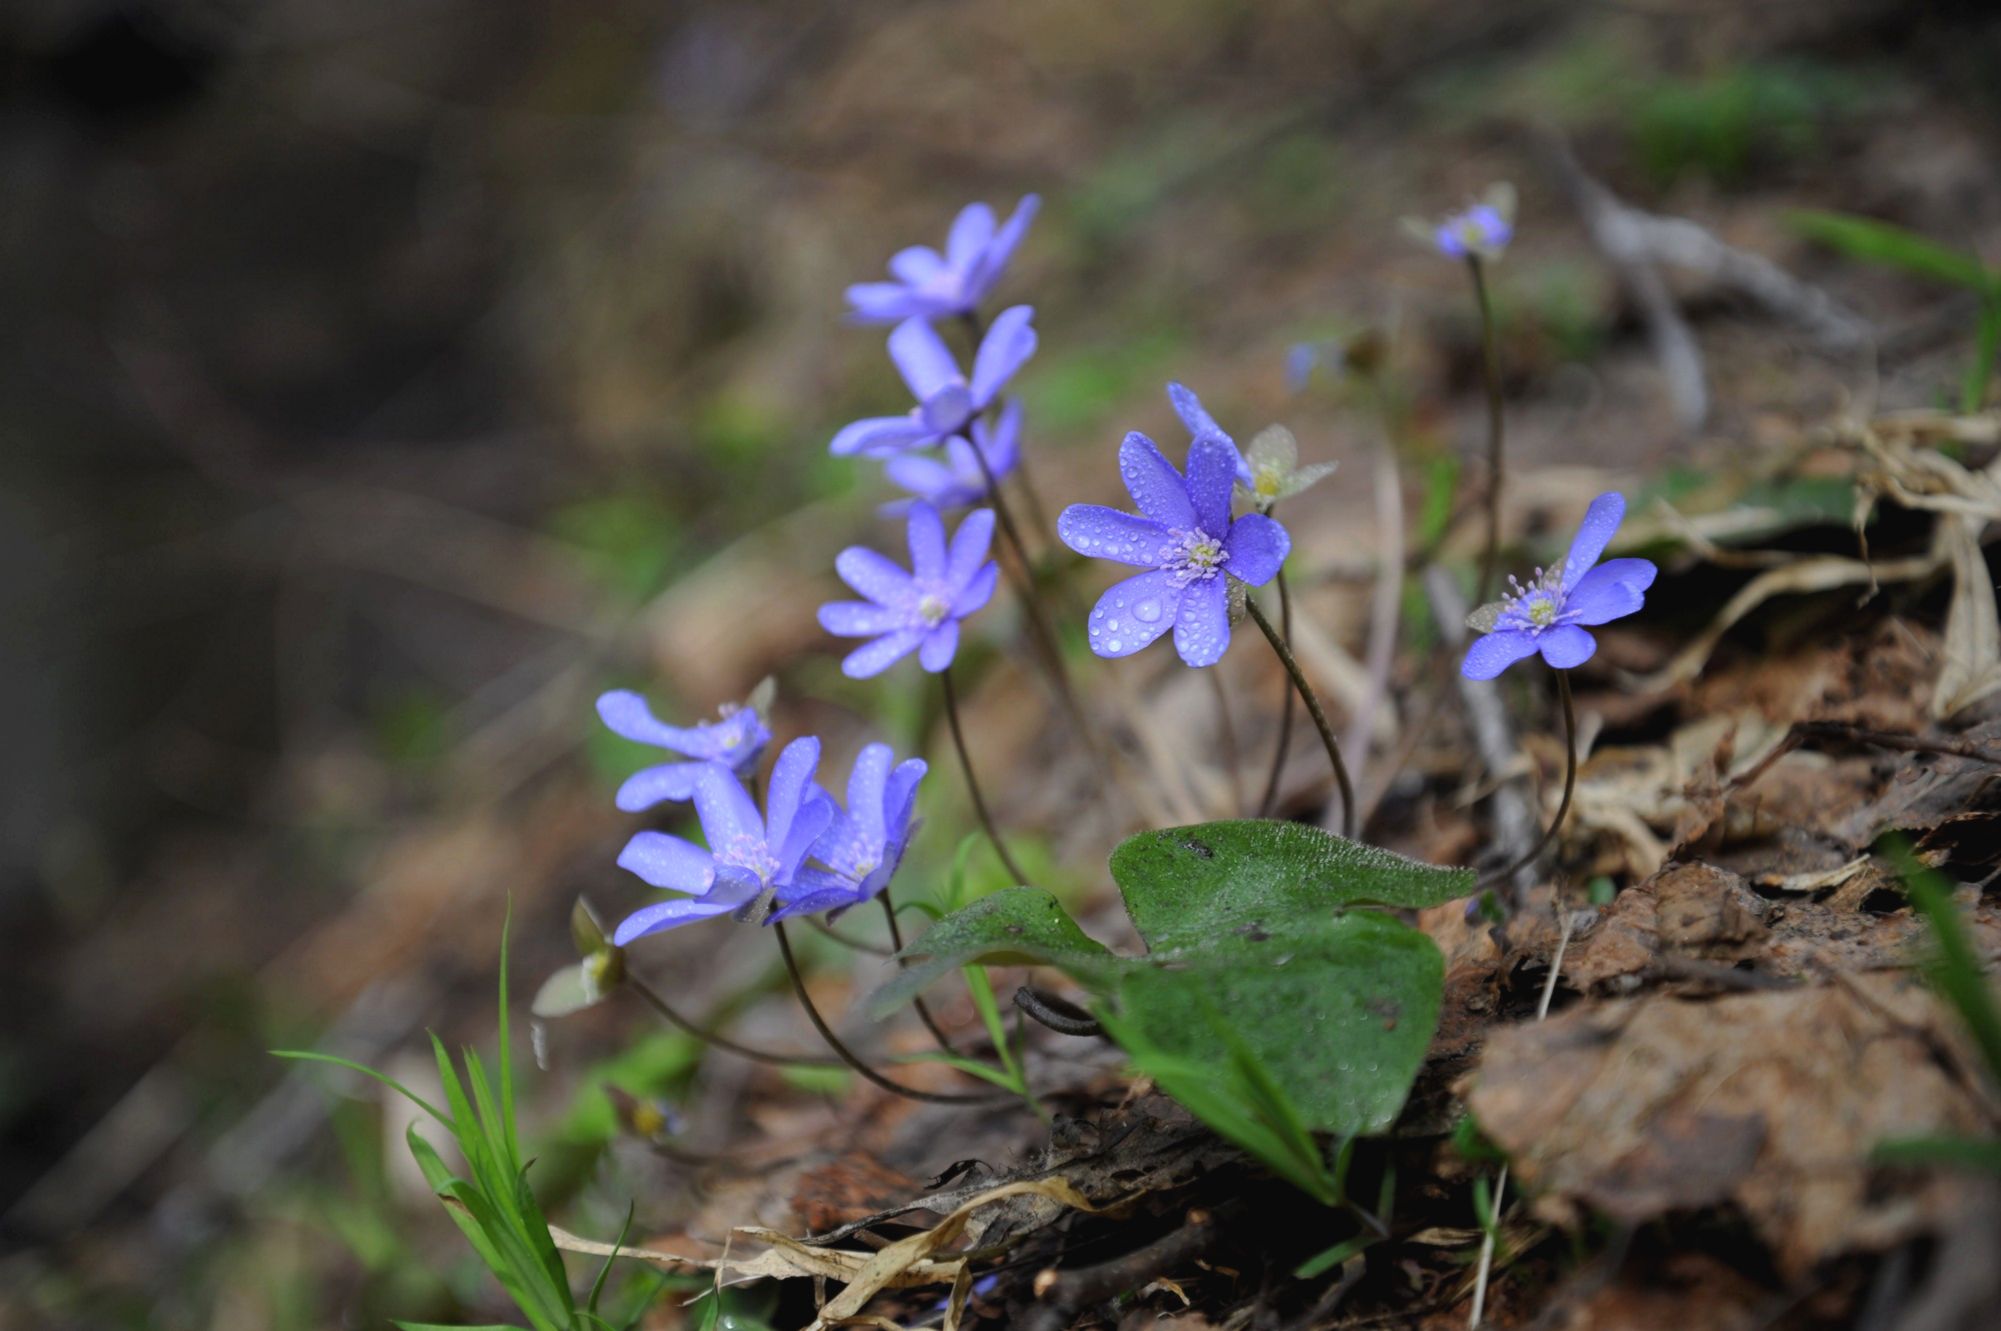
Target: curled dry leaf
1773 1101
907 1262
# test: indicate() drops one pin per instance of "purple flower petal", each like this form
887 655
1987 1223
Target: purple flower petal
916 265
725 809
971 231
922 358
1495 652
899 797
873 658
939 646
673 782
978 591
1257 546
860 619
1131 614
1005 349
666 915
1192 413
628 716
969 547
880 436
874 575
994 262
791 779
668 861
1106 533
825 892
1610 591
1001 443
927 478
927 543
879 302
1202 626
1212 476
867 781
808 825
1600 521
1154 483
1567 646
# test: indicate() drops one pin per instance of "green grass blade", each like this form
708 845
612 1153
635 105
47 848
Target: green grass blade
1876 242
334 1060
1986 347
597 1286
1969 1153
506 1052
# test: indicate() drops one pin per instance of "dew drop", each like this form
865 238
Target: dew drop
1147 611
1115 644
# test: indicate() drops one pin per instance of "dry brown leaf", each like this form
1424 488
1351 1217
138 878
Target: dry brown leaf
1972 667
1772 1101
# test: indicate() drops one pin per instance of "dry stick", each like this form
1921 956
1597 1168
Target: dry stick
1490 369
1232 756
923 1012
972 782
727 1045
1385 608
1493 1224
1270 798
849 1057
1569 785
1312 701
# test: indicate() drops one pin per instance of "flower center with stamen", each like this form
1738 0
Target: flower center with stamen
1270 478
1194 556
749 854
1540 604
932 609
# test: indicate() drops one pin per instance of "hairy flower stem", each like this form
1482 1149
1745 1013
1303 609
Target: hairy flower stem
821 926
848 1056
923 1012
1563 806
1269 799
1313 709
972 782
653 1000
1490 369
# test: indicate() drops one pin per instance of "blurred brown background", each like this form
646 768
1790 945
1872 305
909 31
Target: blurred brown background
387 379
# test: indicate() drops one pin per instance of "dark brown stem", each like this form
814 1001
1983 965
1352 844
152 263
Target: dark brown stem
848 1056
1490 368
1058 1014
1270 798
923 1012
658 1004
1569 785
1061 1295
972 782
1313 709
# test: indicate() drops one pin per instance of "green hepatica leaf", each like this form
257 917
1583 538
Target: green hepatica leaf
1339 1014
1189 887
1014 926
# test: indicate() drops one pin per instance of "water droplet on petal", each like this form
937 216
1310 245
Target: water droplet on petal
1115 644
1147 611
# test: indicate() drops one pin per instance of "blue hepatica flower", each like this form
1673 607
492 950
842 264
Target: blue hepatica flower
930 285
918 611
864 844
751 858
1482 231
947 401
1550 614
956 480
1199 422
735 743
1185 536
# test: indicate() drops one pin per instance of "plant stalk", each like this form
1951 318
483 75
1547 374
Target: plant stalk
1569 786
1490 369
923 1012
653 1000
972 782
848 1056
1313 709
1269 800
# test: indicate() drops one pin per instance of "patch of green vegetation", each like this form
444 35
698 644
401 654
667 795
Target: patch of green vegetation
1723 125
627 539
1298 183
411 728
1074 394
